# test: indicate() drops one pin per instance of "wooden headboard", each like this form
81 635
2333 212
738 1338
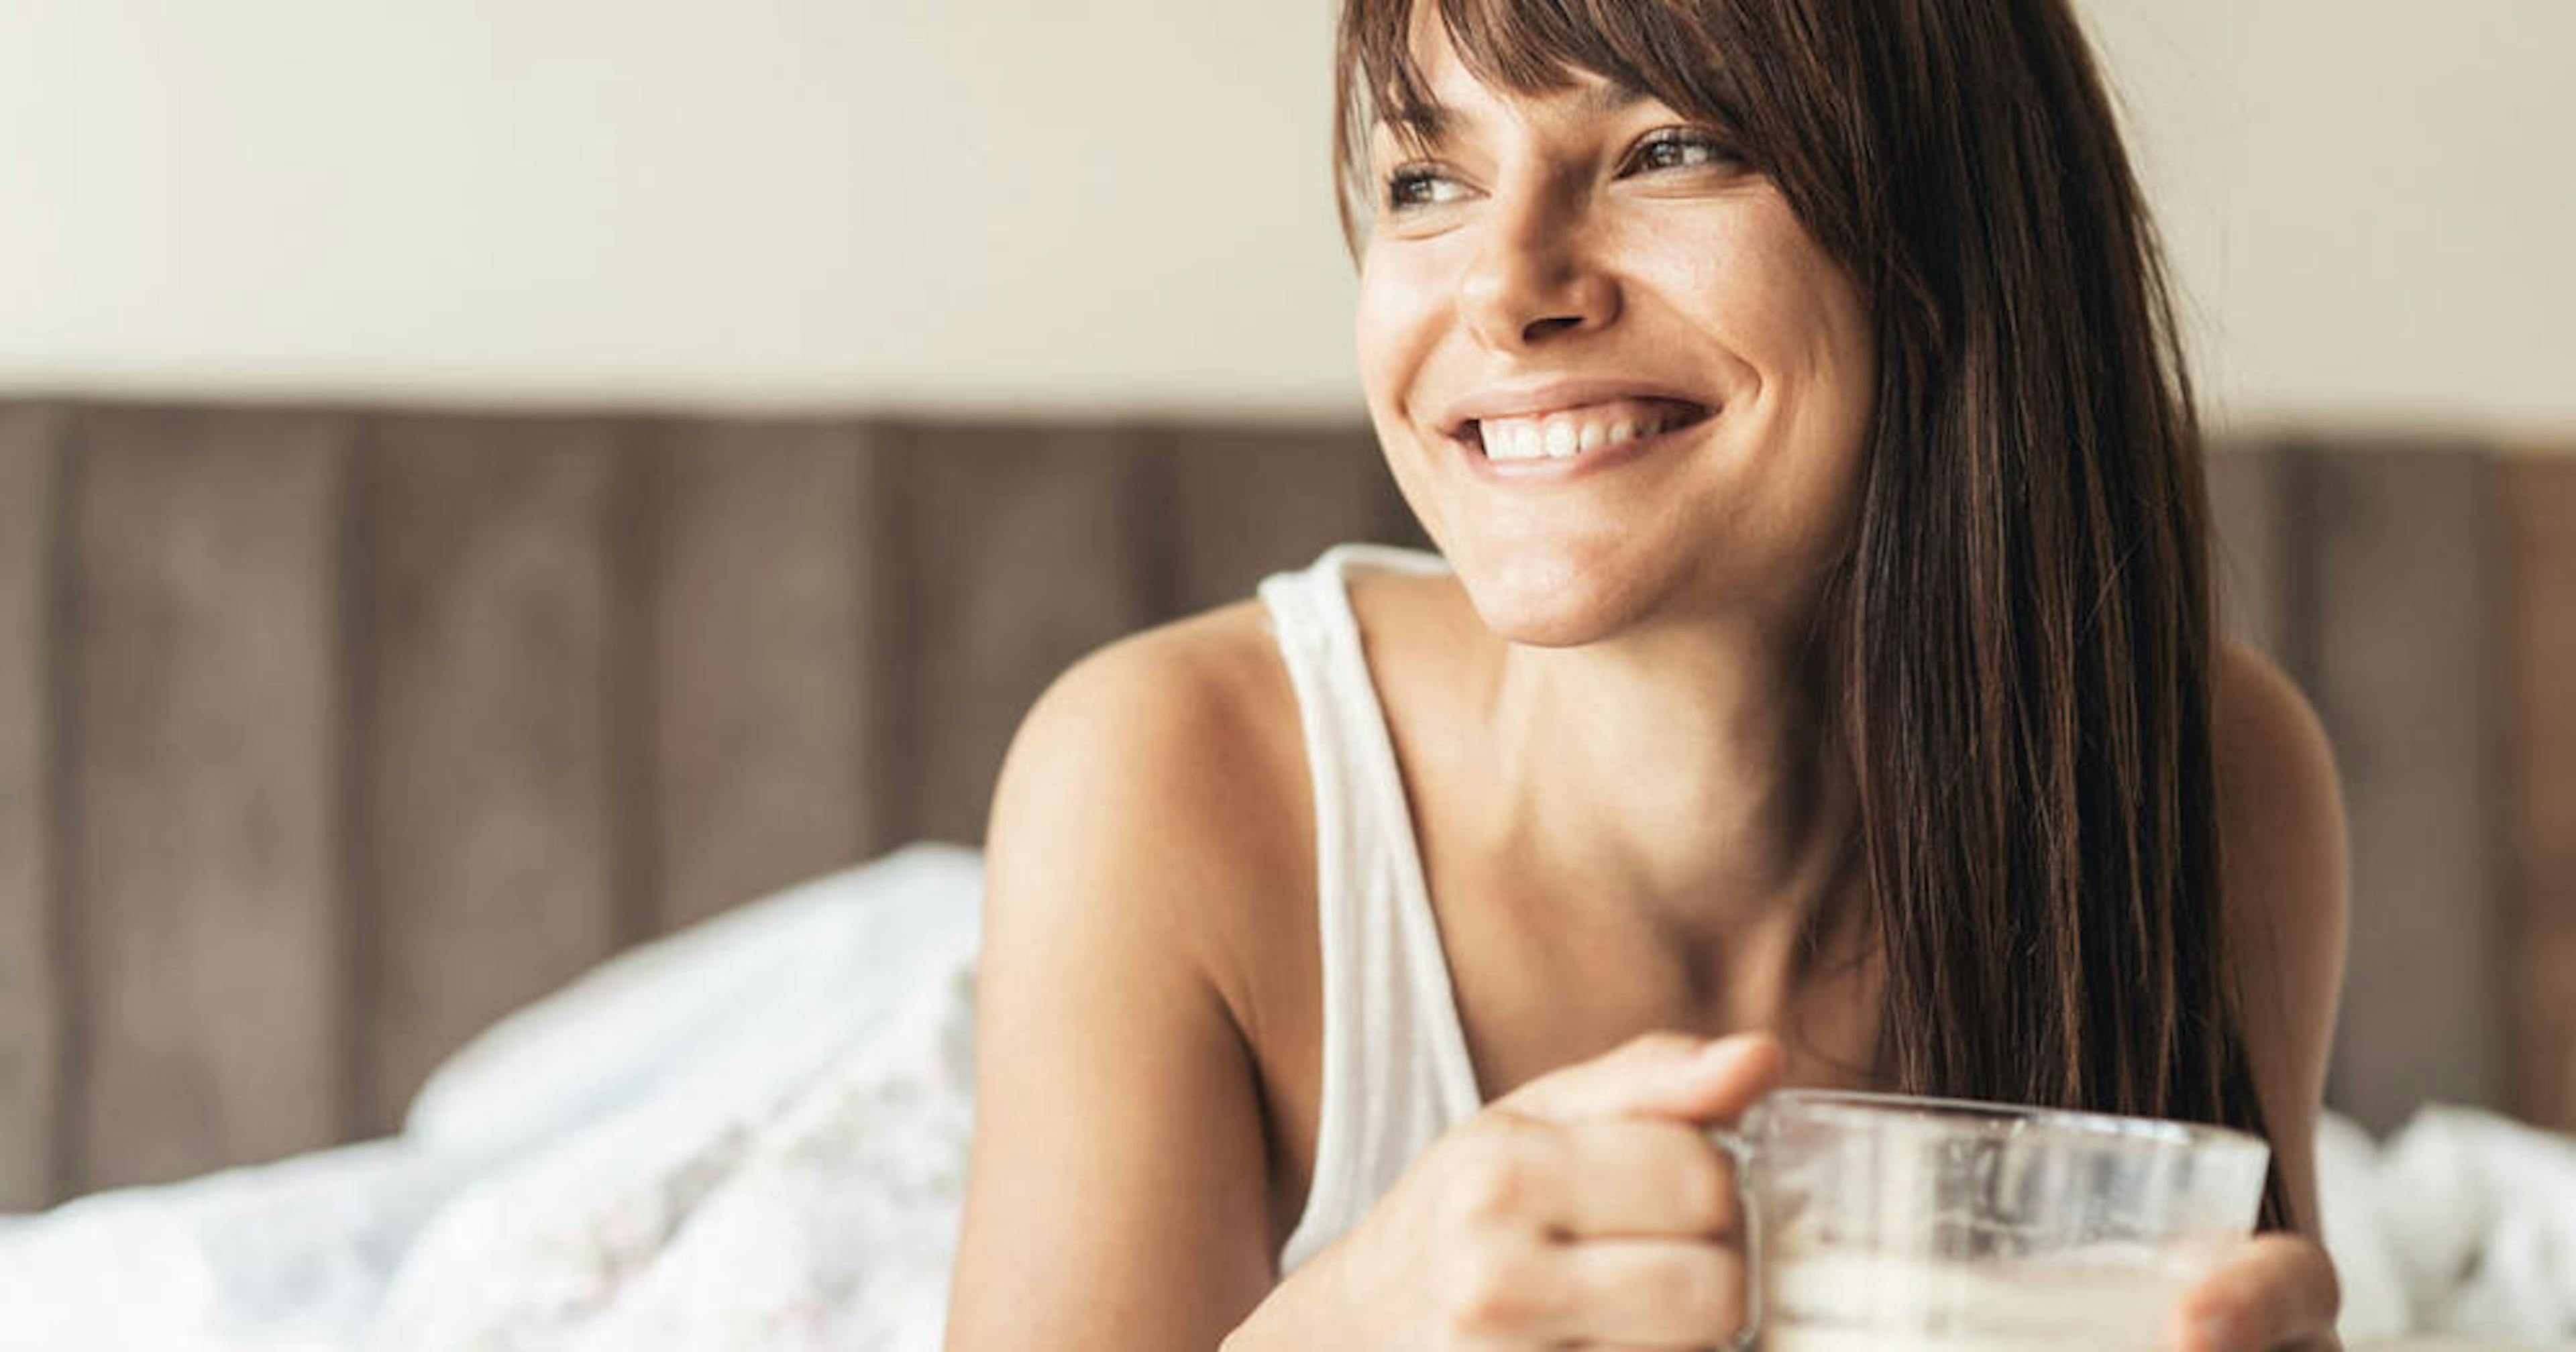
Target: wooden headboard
329 735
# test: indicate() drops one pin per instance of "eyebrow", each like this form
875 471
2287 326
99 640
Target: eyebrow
1431 120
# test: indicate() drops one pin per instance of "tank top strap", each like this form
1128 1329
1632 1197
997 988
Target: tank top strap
1396 1073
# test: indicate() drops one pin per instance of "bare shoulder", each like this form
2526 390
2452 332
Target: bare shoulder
2280 801
2285 875
1181 740
1165 770
1118 1185
1174 700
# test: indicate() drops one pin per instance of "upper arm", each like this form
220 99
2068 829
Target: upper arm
2286 879
1117 1187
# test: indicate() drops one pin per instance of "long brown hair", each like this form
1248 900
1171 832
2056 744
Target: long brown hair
2022 624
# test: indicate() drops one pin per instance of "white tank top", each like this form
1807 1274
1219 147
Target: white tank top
1395 1069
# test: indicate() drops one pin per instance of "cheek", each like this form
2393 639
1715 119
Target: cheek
1766 295
1400 301
1396 326
1788 321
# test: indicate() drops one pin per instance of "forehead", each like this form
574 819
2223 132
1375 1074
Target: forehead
1440 91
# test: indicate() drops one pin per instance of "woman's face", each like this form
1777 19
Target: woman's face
1610 371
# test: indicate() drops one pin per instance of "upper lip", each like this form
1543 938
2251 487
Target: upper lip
1509 401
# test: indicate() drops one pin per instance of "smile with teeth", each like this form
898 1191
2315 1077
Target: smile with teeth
1563 434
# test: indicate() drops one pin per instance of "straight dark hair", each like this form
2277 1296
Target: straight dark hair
2021 626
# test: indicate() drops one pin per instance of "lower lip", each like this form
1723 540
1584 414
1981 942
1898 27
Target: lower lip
1552 470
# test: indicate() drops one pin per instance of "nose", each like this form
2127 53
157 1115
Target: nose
1534 278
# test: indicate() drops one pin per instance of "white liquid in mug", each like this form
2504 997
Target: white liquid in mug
1838 1303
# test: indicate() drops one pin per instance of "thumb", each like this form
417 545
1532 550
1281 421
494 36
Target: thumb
1658 1075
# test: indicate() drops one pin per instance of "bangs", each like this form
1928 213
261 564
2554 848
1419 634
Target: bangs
1661 48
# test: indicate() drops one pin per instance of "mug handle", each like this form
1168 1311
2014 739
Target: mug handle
1739 1148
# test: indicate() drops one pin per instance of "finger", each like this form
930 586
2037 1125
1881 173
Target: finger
1588 1345
1658 1075
1639 1178
1652 1293
2276 1292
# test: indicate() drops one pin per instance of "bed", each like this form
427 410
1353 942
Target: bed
329 737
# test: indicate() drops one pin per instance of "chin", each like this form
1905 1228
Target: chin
1548 598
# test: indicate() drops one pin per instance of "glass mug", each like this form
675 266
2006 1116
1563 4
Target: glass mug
1885 1223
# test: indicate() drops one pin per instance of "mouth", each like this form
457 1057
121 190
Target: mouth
1575 432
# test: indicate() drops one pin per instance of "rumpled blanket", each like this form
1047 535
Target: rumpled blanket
749 1134
825 1219
797 1186
2463 1223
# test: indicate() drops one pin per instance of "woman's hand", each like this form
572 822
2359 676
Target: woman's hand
2275 1293
1585 1209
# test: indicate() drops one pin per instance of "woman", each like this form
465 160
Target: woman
1825 693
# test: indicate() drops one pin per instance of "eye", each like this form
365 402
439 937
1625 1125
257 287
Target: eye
1420 185
1680 148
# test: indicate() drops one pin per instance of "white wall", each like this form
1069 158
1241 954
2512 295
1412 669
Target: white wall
2371 203
854 202
1118 204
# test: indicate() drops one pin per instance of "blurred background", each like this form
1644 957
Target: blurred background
482 485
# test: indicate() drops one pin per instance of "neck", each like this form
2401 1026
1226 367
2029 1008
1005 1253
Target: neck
1691 773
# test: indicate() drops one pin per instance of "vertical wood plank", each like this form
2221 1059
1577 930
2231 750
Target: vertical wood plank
203 754
2400 615
30 1022
2540 498
495 771
1248 503
1024 548
2247 562
766 679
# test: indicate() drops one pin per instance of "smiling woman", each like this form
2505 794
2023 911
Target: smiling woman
1587 256
1820 661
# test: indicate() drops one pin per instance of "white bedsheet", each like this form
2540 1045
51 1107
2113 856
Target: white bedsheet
576 1136
753 1135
